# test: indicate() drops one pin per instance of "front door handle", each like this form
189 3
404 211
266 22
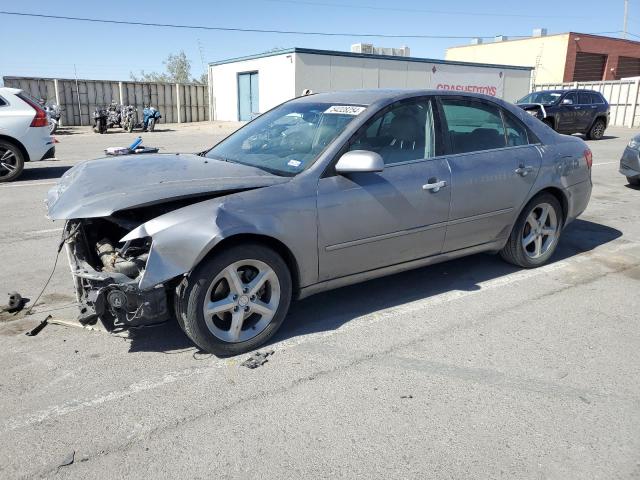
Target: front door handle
524 171
434 185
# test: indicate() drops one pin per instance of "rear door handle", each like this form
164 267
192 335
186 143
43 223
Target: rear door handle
524 171
433 185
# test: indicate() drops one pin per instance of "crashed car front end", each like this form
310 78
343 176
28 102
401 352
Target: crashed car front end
106 278
129 239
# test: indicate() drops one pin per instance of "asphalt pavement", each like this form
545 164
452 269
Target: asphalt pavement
467 369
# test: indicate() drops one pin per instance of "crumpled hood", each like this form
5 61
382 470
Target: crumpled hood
97 188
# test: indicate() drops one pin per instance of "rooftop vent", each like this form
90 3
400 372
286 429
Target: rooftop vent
369 49
476 41
501 38
539 32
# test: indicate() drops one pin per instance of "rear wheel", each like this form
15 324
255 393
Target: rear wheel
535 234
235 300
597 130
11 161
635 181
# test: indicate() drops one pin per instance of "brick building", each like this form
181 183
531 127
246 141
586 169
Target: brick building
565 57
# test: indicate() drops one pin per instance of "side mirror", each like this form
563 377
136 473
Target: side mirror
358 161
567 101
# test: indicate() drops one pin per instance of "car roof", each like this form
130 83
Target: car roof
15 91
368 97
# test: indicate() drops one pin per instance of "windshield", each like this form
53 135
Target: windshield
546 98
287 139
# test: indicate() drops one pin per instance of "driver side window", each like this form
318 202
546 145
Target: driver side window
403 133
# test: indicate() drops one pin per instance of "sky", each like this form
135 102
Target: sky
50 48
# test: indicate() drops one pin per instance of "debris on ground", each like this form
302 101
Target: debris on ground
16 303
257 359
38 328
406 396
68 460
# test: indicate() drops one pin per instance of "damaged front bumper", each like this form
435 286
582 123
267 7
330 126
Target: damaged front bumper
107 294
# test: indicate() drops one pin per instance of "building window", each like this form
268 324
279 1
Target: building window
589 67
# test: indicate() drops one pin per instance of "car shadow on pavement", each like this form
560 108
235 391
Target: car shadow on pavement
38 172
330 310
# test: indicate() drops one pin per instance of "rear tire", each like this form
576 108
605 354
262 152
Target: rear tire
243 319
536 233
635 181
11 161
597 130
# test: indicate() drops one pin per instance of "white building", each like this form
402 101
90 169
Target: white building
243 87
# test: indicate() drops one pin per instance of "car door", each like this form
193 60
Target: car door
494 162
371 220
585 112
566 120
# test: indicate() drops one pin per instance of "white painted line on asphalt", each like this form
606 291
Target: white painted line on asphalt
604 163
23 421
40 232
33 184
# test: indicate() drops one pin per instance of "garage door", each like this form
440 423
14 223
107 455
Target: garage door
628 67
589 66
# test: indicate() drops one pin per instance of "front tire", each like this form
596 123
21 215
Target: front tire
597 130
235 300
536 233
635 181
11 161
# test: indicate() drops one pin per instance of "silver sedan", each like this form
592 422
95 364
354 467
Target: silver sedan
323 191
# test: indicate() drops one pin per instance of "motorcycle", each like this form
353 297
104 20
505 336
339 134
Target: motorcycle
151 117
100 117
114 112
129 118
53 114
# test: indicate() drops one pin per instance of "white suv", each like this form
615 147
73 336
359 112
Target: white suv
24 133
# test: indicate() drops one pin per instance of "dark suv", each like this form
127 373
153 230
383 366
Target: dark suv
569 111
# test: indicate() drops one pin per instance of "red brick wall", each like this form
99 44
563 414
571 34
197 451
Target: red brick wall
612 47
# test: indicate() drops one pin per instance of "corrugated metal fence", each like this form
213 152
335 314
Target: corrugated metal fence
622 96
177 102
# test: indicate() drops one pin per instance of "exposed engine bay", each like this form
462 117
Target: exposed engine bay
106 275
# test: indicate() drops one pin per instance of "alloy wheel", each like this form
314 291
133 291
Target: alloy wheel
241 301
540 231
8 162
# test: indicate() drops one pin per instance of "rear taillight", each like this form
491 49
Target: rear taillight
588 156
40 120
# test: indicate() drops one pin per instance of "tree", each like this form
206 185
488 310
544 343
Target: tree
178 70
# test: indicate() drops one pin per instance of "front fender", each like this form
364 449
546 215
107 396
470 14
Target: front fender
182 238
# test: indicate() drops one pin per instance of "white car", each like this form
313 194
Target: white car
24 133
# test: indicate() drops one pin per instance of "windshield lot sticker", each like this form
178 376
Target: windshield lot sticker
345 109
294 163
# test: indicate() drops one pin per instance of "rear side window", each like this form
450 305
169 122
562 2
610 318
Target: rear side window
584 98
2 102
516 132
473 126
596 98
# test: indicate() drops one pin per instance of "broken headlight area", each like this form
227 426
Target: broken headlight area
106 274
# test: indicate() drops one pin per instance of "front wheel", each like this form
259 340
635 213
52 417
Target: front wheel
129 126
635 181
597 130
535 235
235 300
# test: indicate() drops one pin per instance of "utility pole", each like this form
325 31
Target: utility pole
626 18
75 72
